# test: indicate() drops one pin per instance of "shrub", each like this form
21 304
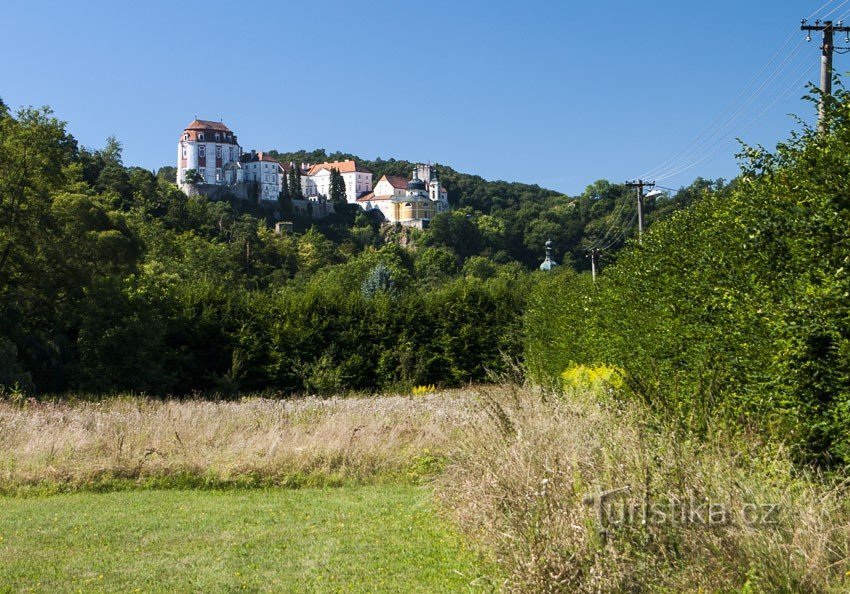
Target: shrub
596 378
525 481
734 309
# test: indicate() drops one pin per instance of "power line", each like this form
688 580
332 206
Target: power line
723 134
828 28
695 148
620 235
821 9
611 225
722 142
830 13
729 108
678 160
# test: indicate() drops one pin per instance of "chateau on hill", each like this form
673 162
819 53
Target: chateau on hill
211 162
206 148
408 202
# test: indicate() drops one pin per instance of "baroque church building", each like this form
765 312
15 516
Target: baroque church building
210 161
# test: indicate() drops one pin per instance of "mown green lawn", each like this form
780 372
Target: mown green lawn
353 539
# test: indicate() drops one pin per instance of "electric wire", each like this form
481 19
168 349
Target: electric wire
788 89
739 119
833 11
728 109
677 160
821 9
678 163
611 225
621 234
722 143
692 154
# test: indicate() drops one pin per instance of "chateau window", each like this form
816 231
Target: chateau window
202 151
217 136
218 174
186 136
184 151
201 136
231 153
218 152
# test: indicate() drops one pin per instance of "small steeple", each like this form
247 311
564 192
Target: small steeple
548 263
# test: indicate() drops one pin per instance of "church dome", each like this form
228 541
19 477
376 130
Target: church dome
548 264
416 184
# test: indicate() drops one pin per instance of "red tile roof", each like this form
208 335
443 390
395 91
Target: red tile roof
341 166
370 197
397 181
208 125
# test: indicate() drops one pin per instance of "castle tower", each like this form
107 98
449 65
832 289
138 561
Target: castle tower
433 185
206 147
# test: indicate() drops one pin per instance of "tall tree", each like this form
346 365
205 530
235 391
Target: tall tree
285 194
295 182
337 187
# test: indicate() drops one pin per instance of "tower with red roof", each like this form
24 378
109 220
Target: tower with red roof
204 151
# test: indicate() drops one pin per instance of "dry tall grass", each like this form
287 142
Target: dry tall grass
524 480
520 470
251 442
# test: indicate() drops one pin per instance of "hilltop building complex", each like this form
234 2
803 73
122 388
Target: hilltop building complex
410 203
211 162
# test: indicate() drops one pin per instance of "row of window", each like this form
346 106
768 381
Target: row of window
218 137
202 152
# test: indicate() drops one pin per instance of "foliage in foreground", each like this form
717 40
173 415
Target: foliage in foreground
736 309
525 481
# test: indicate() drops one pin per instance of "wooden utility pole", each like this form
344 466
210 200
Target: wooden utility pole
640 185
828 28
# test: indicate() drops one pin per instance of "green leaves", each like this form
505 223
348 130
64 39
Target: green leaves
736 308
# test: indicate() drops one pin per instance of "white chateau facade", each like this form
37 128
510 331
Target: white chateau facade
207 148
266 172
208 154
316 181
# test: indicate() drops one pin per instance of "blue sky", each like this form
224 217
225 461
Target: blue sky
555 93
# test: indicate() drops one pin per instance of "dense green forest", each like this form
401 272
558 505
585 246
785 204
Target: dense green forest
509 221
734 308
112 279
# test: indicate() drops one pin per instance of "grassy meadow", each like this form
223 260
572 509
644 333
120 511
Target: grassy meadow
139 442
352 539
468 490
